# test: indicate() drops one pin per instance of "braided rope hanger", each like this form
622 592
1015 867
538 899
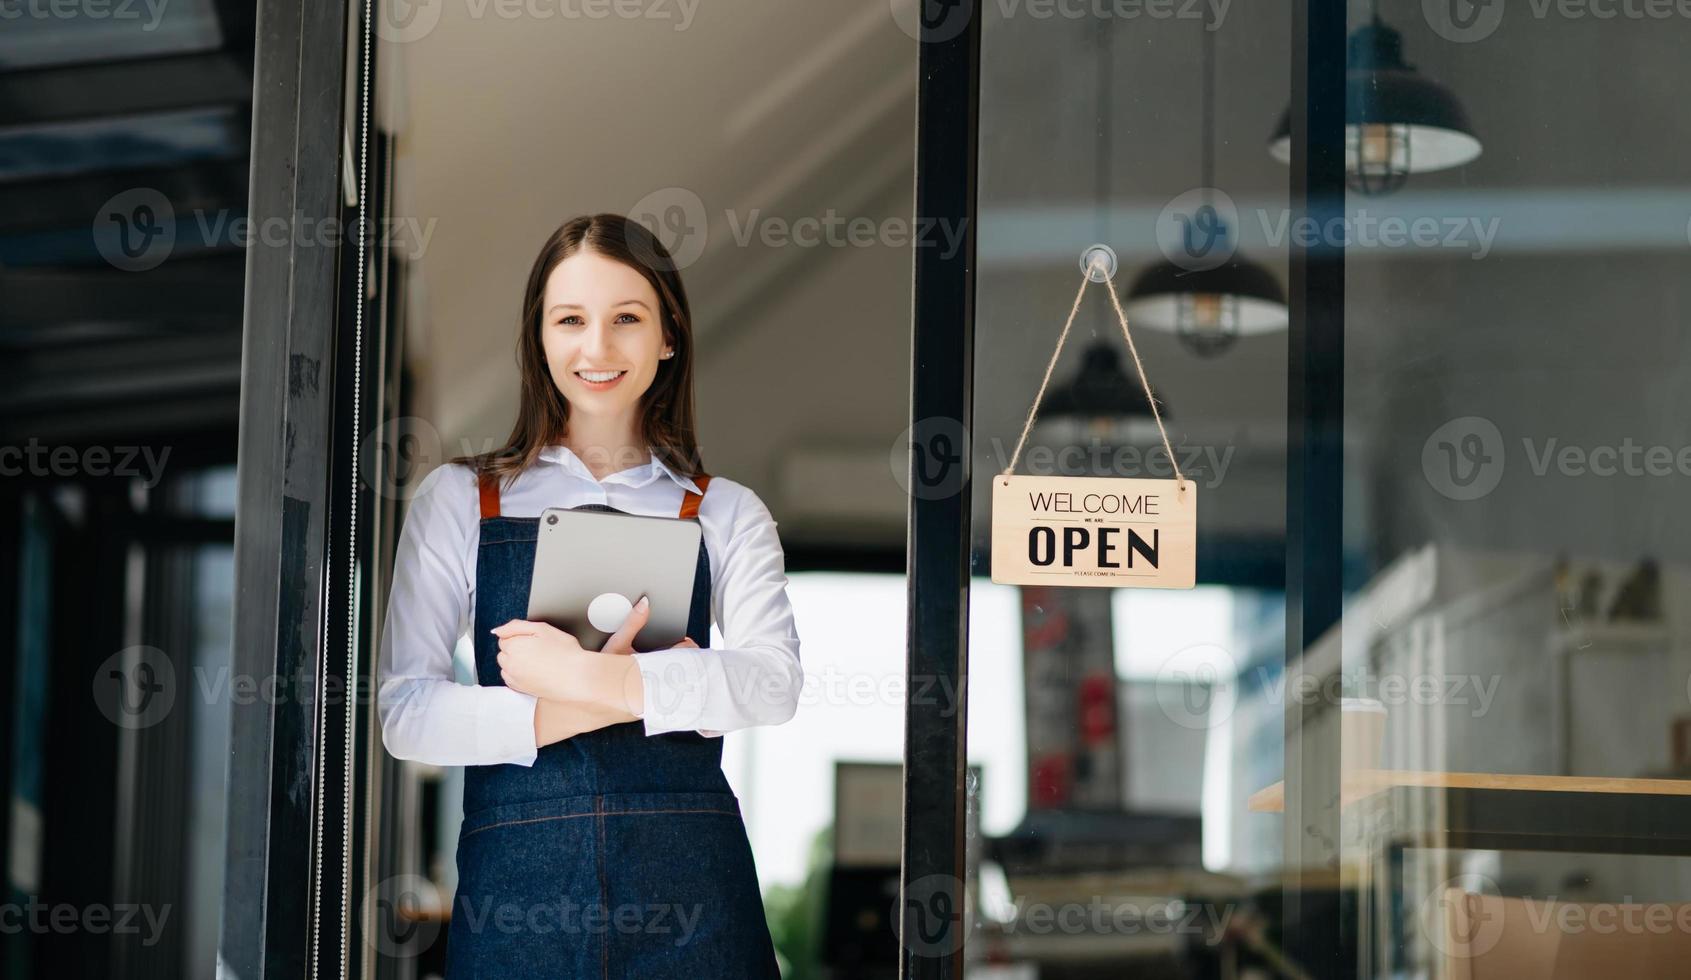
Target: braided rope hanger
1098 264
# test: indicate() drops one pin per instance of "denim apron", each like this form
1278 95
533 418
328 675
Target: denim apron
617 854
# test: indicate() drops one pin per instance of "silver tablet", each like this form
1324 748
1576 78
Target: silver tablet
591 566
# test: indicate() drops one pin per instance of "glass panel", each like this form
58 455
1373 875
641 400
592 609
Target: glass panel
160 139
28 717
1515 357
1122 732
208 747
208 492
39 33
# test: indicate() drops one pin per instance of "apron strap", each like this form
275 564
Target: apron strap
489 495
690 503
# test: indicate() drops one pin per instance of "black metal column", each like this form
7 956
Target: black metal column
1312 918
931 891
287 380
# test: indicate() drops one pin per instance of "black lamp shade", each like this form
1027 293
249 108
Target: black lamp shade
1101 389
1246 295
1397 121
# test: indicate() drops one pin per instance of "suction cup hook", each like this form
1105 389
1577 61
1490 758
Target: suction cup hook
1099 263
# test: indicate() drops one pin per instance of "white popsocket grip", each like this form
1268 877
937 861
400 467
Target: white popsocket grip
608 611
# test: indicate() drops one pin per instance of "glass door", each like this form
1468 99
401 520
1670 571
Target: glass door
1406 289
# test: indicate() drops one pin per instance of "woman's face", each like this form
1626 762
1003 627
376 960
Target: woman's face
599 318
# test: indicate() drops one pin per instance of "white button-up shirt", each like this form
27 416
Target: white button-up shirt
428 716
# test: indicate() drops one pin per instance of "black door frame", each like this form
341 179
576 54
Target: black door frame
294 630
931 881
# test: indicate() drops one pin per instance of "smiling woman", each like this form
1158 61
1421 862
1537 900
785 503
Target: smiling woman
584 767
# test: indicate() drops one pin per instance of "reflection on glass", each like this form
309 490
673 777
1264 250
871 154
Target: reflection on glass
1148 719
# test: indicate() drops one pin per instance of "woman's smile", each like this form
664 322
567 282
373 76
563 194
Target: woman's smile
600 380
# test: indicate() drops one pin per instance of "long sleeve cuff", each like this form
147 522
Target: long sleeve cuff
506 728
712 691
444 723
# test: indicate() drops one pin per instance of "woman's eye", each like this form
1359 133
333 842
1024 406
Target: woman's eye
575 320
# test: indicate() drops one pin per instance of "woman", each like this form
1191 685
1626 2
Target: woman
600 838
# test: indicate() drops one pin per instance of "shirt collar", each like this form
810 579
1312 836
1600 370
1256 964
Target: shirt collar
635 477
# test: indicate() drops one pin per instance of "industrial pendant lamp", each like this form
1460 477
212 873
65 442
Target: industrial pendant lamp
1208 304
1397 121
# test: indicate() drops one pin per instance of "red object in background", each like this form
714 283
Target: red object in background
1052 782
1097 698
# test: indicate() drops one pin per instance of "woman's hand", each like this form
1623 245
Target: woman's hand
541 660
622 641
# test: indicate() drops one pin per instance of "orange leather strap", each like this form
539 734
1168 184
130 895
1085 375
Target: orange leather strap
690 503
489 496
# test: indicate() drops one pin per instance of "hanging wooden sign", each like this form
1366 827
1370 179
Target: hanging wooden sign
1094 531
1098 531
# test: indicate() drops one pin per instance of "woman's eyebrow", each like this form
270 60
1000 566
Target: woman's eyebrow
578 306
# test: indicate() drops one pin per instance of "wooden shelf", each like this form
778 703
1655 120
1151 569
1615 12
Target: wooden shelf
1366 782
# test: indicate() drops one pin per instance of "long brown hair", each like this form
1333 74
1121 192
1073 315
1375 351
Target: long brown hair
543 413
